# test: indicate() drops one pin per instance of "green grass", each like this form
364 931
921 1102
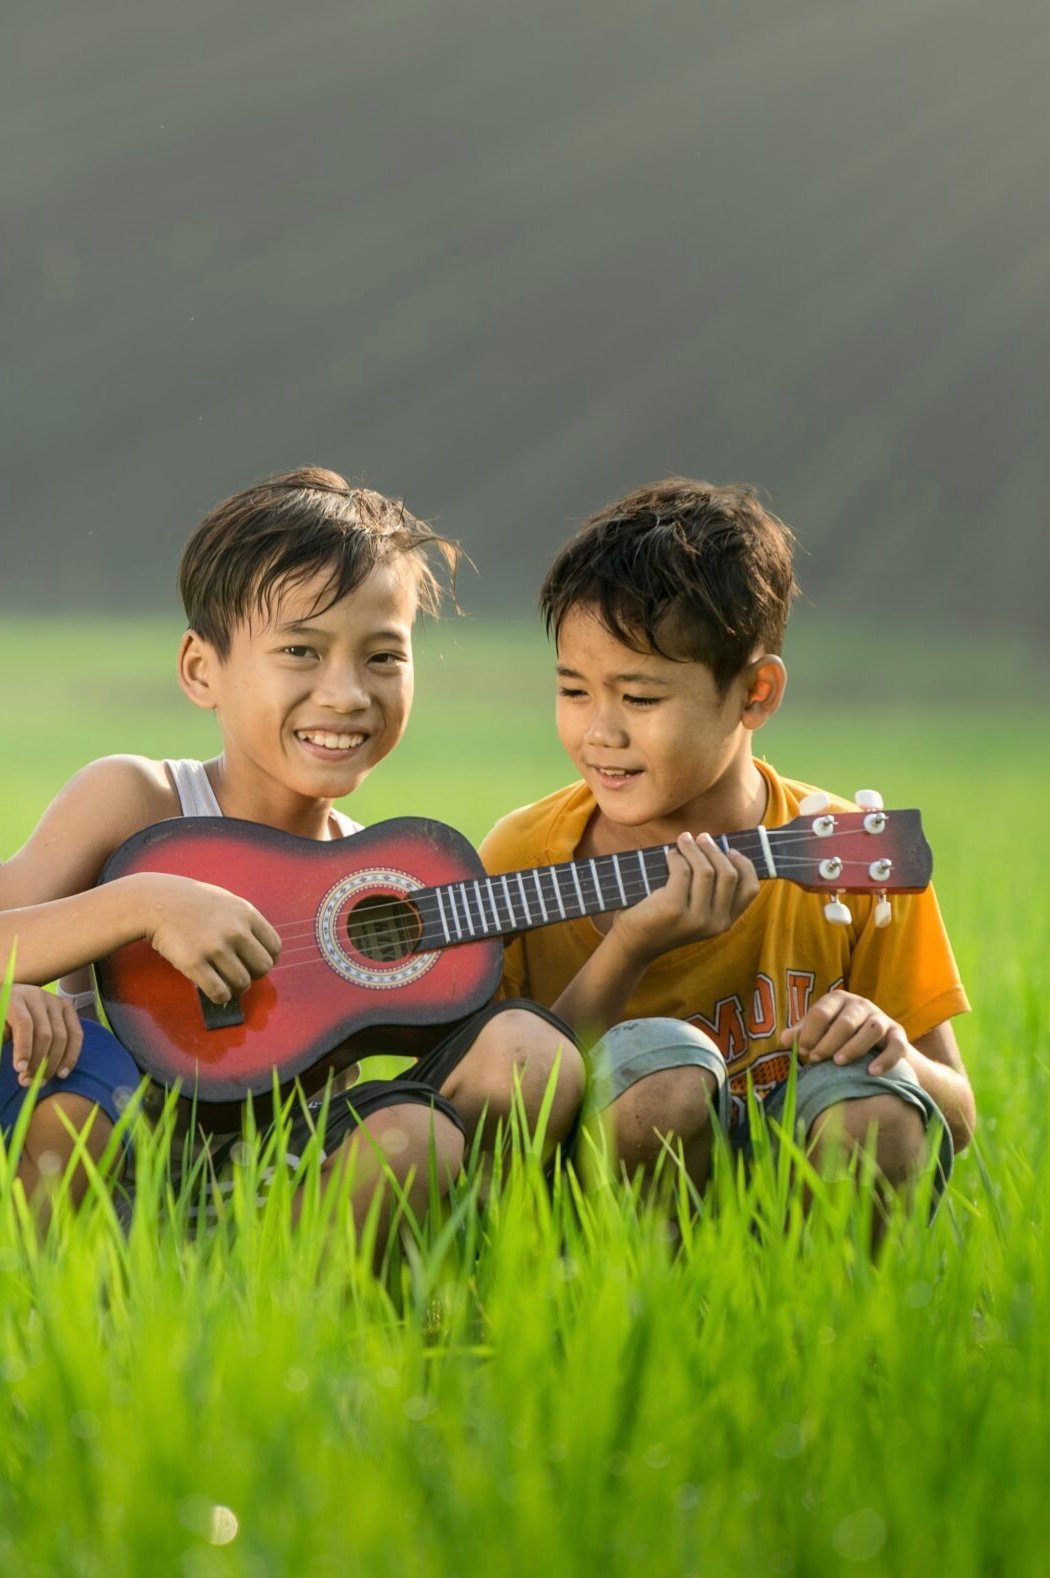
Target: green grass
546 1382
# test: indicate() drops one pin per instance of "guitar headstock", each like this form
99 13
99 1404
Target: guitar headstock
868 851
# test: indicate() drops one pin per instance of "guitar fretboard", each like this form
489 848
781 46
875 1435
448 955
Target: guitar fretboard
497 906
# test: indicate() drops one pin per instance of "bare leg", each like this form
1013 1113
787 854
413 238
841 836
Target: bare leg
49 1148
671 1107
900 1143
394 1141
517 1047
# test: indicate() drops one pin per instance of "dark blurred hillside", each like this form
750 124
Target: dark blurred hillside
509 261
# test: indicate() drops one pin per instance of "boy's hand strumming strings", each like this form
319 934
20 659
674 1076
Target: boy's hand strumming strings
705 892
841 1027
219 941
45 1033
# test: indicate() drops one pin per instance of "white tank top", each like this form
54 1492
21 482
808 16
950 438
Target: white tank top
197 797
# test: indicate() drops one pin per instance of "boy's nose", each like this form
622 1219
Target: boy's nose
605 730
342 690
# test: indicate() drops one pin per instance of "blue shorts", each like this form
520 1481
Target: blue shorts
104 1074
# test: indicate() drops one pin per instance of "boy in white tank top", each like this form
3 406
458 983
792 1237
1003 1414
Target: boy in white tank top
300 595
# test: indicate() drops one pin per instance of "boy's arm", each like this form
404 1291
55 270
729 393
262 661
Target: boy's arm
705 892
50 907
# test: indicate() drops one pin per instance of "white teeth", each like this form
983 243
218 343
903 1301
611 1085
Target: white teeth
331 742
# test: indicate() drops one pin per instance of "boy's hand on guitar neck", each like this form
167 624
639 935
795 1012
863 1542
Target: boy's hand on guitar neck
219 941
705 893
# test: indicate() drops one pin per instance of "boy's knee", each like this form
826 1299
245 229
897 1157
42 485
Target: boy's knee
410 1134
519 1050
668 1106
896 1125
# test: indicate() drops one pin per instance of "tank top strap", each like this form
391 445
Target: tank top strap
345 824
196 795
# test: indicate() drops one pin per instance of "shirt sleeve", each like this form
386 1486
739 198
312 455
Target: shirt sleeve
908 967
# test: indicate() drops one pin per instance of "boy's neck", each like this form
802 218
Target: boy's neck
270 804
736 803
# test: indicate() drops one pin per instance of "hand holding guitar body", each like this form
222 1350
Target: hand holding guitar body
217 940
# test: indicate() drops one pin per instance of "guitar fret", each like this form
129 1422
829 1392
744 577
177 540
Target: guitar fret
509 903
597 885
482 919
539 895
441 913
466 909
619 878
450 890
524 900
579 890
645 875
557 892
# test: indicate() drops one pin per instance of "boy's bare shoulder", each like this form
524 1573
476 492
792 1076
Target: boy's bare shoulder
101 805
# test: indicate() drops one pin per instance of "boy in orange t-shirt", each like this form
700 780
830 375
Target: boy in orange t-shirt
668 609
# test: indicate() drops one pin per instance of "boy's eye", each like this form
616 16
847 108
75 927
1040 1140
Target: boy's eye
388 659
641 701
298 652
569 692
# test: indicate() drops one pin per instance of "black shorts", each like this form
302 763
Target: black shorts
343 1111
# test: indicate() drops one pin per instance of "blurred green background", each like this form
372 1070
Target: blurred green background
509 261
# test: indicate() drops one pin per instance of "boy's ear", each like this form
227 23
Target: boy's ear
766 682
197 666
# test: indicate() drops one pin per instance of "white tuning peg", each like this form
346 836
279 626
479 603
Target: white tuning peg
837 913
814 803
868 799
883 912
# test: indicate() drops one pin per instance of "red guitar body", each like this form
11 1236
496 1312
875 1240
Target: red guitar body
324 988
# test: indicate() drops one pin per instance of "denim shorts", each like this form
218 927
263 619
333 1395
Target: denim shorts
104 1074
630 1051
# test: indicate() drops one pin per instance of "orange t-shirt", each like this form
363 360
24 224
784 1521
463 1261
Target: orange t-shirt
743 987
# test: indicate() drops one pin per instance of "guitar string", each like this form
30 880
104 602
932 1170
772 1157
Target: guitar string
606 867
303 940
428 907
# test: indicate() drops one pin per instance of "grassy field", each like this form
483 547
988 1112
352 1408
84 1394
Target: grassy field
550 1382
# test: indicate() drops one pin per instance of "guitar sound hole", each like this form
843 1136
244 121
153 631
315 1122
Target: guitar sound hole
383 928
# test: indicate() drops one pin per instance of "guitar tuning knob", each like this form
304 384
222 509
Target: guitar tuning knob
883 912
868 799
836 912
814 803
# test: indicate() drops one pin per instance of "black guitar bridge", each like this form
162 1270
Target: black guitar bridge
220 1016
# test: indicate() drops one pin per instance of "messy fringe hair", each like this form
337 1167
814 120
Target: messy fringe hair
294 526
683 568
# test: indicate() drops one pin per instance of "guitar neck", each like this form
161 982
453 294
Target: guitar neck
489 907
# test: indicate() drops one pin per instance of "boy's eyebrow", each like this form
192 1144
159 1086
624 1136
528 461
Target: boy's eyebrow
565 672
309 627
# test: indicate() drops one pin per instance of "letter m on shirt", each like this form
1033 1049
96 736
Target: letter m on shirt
726 1027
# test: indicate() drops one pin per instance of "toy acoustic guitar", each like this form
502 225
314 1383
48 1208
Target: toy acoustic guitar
400 925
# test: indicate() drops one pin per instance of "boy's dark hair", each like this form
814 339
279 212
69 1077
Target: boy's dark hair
681 568
287 530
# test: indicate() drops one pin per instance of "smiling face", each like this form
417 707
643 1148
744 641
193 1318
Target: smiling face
661 748
308 702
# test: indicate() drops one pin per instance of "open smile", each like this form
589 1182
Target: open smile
616 777
328 745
